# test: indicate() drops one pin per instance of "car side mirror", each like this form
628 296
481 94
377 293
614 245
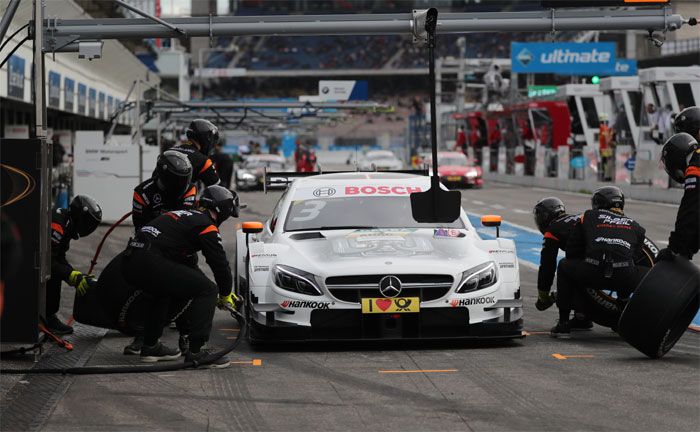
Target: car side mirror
252 227
492 221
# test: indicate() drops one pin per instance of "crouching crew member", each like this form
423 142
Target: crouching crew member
202 136
600 253
681 159
170 188
155 263
80 219
556 226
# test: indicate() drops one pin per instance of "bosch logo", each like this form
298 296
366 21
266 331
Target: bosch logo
390 286
324 192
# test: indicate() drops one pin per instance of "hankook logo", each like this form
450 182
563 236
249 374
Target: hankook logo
390 286
324 192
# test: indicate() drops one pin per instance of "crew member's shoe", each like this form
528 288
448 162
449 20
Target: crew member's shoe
55 326
561 331
184 343
580 322
198 357
158 352
134 348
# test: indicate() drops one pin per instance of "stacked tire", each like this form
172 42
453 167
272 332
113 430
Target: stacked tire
662 307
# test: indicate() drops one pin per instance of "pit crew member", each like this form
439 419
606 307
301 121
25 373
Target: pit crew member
681 159
556 226
155 263
80 219
600 252
202 136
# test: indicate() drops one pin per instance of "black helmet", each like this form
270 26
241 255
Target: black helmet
688 121
173 173
608 197
204 133
675 154
85 214
546 210
220 200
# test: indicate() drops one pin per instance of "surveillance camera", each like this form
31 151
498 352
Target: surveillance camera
90 49
656 41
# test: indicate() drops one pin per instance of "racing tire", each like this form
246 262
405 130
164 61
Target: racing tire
601 306
662 307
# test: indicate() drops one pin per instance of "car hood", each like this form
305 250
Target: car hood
381 251
383 162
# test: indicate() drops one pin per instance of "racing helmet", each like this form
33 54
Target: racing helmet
85 214
688 121
222 201
204 133
607 198
546 210
173 173
676 154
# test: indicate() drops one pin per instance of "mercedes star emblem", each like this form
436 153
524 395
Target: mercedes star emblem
390 286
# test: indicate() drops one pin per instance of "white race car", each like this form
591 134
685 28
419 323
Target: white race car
341 258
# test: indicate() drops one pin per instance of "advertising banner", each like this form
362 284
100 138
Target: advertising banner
569 58
15 77
342 90
54 89
82 98
69 94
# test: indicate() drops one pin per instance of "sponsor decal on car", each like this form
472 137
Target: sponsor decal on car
501 251
506 265
448 233
324 192
259 268
341 191
472 301
269 255
381 190
304 304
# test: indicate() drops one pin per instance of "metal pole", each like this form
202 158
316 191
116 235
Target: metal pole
7 18
45 180
138 111
369 24
201 78
150 17
160 119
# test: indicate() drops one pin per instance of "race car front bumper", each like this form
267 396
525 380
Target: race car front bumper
351 324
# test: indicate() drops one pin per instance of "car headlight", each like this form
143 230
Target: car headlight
242 175
472 174
295 280
479 277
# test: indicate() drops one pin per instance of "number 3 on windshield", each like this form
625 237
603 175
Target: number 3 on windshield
310 211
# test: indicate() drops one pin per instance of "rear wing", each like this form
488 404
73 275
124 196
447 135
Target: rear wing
284 179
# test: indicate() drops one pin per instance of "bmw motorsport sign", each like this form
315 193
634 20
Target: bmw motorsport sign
595 58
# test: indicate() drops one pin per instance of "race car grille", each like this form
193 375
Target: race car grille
353 288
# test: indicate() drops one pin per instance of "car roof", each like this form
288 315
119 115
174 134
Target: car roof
380 152
268 157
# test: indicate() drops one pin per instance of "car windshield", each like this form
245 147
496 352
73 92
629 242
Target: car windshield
258 163
356 213
452 160
380 155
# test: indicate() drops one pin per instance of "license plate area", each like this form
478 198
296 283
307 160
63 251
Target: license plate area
390 305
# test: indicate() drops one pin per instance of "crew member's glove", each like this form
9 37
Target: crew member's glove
229 301
545 300
74 278
666 254
87 282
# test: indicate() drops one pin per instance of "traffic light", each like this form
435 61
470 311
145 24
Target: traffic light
595 79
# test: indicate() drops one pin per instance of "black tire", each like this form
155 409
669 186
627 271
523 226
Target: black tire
601 306
662 307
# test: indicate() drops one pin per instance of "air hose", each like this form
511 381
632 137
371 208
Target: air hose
165 367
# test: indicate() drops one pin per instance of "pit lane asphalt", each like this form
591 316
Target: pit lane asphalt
519 385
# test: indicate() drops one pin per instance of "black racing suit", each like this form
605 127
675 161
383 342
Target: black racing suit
224 166
149 202
155 262
685 237
202 167
62 232
600 253
556 237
